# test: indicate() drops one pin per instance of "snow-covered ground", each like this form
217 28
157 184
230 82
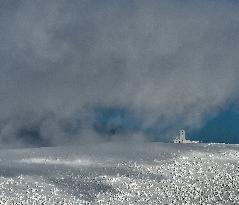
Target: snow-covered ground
120 173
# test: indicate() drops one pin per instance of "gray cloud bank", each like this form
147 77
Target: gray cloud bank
169 62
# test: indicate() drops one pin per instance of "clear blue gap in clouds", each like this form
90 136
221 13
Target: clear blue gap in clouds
221 128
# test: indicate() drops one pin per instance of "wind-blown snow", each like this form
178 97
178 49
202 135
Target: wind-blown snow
77 162
149 173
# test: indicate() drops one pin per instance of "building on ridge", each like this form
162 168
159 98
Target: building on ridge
181 138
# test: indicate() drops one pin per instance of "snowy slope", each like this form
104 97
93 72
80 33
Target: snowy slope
118 173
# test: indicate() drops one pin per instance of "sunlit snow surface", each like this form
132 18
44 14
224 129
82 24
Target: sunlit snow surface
118 173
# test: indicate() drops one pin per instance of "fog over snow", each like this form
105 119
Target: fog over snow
170 63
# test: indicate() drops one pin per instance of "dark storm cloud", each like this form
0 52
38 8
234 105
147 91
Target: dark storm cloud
169 62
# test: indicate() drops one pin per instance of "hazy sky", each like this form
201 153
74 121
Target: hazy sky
71 71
